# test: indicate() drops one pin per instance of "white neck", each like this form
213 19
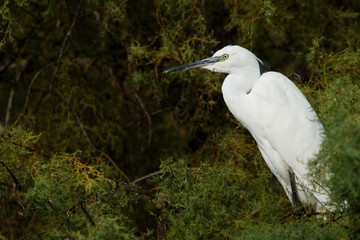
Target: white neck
236 90
242 80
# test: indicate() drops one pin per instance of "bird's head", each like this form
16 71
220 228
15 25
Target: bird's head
229 59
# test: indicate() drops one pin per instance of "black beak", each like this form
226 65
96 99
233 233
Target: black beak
198 64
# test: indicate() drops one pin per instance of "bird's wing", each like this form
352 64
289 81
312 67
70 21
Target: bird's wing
289 122
291 128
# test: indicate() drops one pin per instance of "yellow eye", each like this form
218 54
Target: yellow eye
225 56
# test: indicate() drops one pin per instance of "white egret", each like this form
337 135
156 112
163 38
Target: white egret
278 116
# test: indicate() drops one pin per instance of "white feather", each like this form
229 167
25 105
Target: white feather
279 117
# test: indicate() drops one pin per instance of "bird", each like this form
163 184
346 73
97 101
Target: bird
284 125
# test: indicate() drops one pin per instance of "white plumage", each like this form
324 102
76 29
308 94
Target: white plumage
278 116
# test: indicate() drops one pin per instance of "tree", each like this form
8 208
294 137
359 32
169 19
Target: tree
98 143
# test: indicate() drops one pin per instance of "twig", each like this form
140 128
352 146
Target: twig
31 223
147 176
252 21
187 21
152 114
30 87
147 116
16 182
63 45
61 54
132 70
11 99
30 148
6 65
156 173
331 221
86 214
300 212
83 130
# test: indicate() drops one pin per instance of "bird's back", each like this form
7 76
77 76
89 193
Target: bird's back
285 127
289 121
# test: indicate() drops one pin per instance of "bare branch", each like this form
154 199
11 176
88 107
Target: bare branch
154 174
152 114
147 117
84 132
86 214
11 99
147 176
6 65
30 87
61 54
30 148
16 182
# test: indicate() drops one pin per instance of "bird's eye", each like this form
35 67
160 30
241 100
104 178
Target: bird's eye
225 56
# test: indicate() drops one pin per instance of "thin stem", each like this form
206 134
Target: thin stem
61 54
16 182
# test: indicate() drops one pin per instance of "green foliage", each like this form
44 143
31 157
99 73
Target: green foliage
302 229
6 11
208 202
66 196
223 202
340 156
85 109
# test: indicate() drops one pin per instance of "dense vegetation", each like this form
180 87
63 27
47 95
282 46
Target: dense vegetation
97 143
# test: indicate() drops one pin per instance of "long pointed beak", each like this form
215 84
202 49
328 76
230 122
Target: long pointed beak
198 64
